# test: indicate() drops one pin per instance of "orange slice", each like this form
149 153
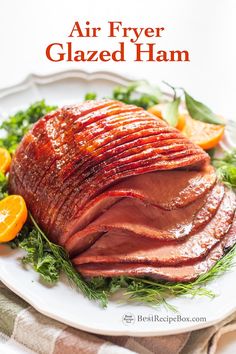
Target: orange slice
158 110
203 134
13 215
5 160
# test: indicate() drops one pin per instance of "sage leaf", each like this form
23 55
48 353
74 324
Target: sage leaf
171 112
199 111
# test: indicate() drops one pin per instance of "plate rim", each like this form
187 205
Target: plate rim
41 79
127 331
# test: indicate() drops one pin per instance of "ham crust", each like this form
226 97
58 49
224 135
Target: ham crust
58 171
123 192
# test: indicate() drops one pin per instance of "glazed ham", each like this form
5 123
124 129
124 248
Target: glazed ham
123 192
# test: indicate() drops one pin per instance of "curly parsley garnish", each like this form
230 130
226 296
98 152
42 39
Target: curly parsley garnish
17 125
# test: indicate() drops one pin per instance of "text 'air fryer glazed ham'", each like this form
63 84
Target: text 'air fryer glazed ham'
124 193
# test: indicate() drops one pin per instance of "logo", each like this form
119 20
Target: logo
128 319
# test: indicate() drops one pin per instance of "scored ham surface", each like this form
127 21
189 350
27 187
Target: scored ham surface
123 192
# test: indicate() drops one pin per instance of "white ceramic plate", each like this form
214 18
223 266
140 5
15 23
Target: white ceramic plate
64 303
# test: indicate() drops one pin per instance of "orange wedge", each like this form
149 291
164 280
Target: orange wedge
181 122
203 134
5 160
13 215
158 110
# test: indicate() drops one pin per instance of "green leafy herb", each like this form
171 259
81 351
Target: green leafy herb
3 186
138 93
171 112
199 111
40 257
90 96
196 109
18 124
211 152
172 88
145 88
226 168
49 260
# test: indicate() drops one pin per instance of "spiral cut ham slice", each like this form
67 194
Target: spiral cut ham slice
152 222
120 246
123 192
181 273
178 189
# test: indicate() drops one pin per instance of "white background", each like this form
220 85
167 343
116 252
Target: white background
206 28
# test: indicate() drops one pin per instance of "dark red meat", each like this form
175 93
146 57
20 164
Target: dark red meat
166 189
119 246
149 221
123 192
182 273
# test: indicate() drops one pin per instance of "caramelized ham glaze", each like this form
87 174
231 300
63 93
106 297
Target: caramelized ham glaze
66 170
123 192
